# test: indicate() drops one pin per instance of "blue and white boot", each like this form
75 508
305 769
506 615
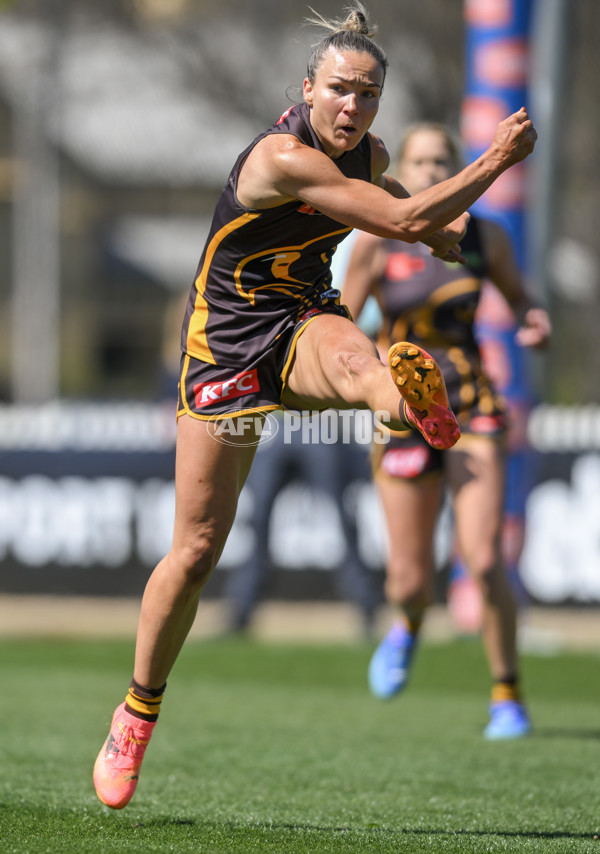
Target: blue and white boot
390 665
508 719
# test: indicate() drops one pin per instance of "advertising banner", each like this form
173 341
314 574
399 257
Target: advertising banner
87 502
497 45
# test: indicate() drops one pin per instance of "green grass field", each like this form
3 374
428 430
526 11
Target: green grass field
279 748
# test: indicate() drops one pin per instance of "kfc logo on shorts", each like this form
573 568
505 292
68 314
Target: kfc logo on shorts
214 392
405 462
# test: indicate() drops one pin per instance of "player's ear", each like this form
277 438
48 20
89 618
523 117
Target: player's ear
307 91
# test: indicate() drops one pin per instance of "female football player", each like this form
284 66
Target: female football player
265 330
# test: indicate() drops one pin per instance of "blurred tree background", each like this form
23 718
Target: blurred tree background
119 122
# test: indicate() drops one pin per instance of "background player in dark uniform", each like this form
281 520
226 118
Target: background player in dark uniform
264 329
433 304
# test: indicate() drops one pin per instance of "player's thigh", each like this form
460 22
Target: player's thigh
322 356
475 472
410 508
209 475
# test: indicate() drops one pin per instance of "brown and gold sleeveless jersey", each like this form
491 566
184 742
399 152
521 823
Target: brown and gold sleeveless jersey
262 271
433 304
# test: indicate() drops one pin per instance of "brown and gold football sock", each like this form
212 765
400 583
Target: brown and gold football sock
506 689
413 617
144 703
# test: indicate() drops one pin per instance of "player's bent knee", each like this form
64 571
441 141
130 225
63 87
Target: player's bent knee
196 561
357 367
356 362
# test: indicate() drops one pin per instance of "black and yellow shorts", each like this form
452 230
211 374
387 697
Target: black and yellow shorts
206 390
407 455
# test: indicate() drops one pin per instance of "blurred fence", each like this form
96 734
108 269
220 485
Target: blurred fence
87 503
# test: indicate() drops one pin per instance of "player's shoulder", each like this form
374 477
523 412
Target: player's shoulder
280 152
280 142
282 146
380 158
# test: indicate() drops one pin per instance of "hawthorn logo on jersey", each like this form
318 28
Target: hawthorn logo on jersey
237 386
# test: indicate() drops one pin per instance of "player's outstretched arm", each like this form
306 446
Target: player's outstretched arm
442 203
280 169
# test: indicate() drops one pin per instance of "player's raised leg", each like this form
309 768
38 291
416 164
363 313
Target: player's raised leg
420 382
336 365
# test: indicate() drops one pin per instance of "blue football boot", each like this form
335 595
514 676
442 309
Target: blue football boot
390 665
508 719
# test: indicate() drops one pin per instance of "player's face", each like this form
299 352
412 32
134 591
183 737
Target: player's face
344 99
426 161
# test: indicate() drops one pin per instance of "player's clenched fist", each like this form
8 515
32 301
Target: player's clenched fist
515 138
